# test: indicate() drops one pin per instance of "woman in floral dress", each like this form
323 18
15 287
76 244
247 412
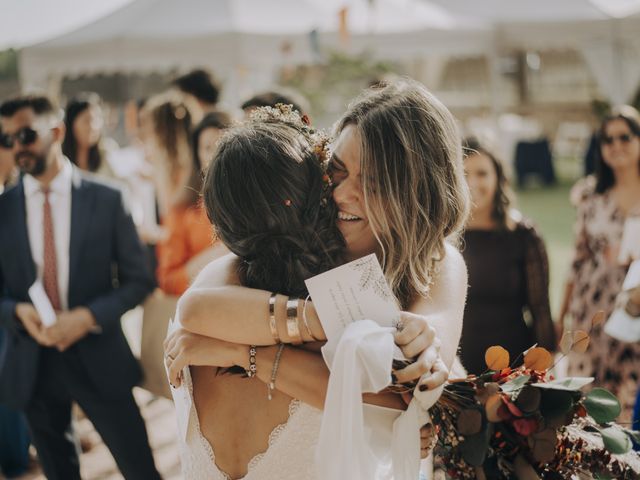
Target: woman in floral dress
603 203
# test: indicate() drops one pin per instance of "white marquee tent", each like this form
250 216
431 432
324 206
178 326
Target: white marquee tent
244 41
606 32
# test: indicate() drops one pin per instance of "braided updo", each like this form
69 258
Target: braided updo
266 193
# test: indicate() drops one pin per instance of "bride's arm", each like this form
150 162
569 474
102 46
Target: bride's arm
304 375
214 303
240 315
216 306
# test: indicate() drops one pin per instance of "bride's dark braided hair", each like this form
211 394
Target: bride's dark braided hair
268 196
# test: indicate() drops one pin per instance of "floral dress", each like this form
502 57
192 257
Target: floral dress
597 279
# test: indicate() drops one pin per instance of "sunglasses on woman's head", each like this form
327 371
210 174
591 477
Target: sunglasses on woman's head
624 138
25 136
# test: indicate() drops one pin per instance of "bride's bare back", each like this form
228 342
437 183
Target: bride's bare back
236 416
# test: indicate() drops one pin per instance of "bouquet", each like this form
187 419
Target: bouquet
521 422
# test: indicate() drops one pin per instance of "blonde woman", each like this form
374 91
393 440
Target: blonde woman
170 149
189 243
399 193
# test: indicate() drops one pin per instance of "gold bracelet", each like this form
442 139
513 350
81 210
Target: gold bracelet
304 319
293 327
271 386
272 318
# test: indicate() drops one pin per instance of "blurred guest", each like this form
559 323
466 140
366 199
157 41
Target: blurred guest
169 148
134 160
273 97
8 169
83 143
14 434
68 231
206 136
603 203
190 242
508 269
201 91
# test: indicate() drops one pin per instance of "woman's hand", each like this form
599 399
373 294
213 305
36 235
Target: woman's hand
417 339
183 348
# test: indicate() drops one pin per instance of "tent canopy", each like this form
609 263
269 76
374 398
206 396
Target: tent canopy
247 35
605 32
245 41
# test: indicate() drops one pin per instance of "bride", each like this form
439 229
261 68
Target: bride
263 194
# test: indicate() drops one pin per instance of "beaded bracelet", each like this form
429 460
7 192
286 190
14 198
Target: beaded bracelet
293 326
271 386
272 318
253 368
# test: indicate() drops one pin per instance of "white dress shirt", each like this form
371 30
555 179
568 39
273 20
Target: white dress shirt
60 201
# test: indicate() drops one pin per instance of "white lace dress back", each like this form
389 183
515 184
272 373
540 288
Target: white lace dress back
289 456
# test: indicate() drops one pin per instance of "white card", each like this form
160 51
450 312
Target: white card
355 291
623 327
181 396
42 304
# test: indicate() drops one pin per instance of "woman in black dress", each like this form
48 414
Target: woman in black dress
508 297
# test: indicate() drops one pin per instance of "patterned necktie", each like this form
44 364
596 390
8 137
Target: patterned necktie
50 274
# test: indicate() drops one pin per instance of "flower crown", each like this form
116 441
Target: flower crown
318 139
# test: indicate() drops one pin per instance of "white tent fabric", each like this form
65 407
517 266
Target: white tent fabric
606 32
245 41
244 38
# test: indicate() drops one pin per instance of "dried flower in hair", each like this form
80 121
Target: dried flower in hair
318 139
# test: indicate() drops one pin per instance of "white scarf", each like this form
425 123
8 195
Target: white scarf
360 442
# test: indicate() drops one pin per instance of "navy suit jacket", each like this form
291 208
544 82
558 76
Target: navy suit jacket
108 274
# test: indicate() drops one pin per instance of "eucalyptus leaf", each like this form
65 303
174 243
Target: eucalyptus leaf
569 384
469 422
602 405
615 440
515 384
555 403
529 399
633 435
602 476
543 445
474 448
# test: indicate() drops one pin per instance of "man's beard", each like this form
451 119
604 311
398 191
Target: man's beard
31 163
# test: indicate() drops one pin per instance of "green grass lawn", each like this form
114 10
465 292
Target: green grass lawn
552 213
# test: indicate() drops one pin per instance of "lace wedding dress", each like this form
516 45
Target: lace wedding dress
290 455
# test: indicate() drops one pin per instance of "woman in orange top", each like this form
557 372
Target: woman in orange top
190 242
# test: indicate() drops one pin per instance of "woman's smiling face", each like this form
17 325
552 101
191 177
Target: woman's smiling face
349 195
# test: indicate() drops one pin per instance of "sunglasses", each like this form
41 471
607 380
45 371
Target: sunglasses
25 136
624 138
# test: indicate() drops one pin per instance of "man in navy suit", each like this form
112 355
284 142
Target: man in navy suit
73 234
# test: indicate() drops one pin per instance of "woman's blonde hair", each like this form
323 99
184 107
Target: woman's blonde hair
172 125
415 193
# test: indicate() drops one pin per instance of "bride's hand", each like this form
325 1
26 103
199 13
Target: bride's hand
416 338
183 348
